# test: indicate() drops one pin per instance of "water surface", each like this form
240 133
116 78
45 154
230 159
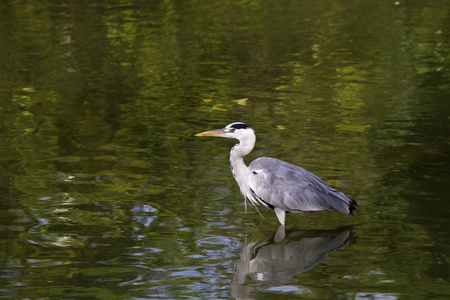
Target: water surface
106 193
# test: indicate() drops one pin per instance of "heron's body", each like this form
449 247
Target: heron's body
276 184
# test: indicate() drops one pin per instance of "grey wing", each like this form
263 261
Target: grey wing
277 183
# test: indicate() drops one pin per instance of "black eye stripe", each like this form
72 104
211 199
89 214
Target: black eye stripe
239 126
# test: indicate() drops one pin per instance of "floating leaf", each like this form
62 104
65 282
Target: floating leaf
242 101
221 107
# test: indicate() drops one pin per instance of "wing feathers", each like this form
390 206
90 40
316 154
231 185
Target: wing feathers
292 188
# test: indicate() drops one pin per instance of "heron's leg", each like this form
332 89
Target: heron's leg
281 215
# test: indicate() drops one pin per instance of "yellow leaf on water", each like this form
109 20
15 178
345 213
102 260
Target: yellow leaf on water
207 100
220 107
242 101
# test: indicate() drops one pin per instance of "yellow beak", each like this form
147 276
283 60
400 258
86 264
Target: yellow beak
217 132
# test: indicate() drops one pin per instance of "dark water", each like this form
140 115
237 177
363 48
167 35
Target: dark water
105 193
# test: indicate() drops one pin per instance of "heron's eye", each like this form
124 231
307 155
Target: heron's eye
232 129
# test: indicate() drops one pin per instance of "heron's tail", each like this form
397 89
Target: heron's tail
342 203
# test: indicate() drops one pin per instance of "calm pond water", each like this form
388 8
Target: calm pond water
106 193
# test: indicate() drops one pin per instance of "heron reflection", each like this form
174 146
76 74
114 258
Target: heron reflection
282 255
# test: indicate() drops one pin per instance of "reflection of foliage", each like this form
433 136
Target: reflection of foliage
99 100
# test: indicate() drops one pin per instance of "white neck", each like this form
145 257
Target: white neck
238 167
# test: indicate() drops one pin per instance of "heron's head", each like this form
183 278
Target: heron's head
237 130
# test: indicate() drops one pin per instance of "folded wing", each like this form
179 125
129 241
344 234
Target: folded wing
278 184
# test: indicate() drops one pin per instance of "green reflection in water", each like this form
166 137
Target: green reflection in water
105 193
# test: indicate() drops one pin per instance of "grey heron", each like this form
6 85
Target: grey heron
277 184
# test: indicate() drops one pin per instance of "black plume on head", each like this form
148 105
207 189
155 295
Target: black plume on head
239 125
